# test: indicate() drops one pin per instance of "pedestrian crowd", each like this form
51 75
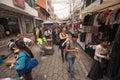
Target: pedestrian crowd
21 47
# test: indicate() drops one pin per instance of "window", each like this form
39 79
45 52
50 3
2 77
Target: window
88 2
31 3
11 26
29 25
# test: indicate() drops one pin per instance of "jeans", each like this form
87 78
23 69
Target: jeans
71 61
63 54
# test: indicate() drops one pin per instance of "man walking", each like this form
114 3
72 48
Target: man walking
72 50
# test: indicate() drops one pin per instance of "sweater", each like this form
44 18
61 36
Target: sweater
21 60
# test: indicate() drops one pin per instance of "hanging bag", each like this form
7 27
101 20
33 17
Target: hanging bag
31 63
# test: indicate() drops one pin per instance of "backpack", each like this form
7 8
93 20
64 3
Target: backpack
31 63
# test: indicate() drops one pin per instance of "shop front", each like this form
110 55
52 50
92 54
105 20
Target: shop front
9 22
14 23
15 17
101 24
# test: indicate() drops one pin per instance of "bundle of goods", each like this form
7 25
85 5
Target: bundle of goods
9 60
48 50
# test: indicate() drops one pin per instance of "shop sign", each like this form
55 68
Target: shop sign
19 3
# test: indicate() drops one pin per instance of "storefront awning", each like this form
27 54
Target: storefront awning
39 19
108 4
48 22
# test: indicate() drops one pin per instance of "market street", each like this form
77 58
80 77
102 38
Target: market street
51 67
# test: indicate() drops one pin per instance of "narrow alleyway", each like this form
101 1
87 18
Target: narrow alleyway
51 67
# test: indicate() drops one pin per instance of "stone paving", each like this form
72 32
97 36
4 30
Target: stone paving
51 67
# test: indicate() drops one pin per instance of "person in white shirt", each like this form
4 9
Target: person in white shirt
100 62
47 33
28 42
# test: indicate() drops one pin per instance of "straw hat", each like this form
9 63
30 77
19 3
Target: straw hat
16 51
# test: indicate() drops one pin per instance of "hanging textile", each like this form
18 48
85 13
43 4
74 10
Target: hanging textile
86 20
95 21
94 29
82 37
92 19
111 19
105 14
114 64
88 37
111 32
99 19
87 29
95 37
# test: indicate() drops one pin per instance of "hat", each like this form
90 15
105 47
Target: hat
16 51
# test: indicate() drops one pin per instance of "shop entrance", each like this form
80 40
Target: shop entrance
9 27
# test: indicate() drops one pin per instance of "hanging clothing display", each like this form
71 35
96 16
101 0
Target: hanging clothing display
105 14
111 32
96 21
94 29
92 19
86 20
99 19
95 38
77 25
113 17
107 23
88 38
87 29
82 37
114 63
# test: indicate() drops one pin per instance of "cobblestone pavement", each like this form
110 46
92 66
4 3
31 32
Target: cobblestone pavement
51 67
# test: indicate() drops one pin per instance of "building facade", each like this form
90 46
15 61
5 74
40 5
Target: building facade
50 10
16 16
41 6
91 6
45 10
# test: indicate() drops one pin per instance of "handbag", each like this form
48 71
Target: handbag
31 63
